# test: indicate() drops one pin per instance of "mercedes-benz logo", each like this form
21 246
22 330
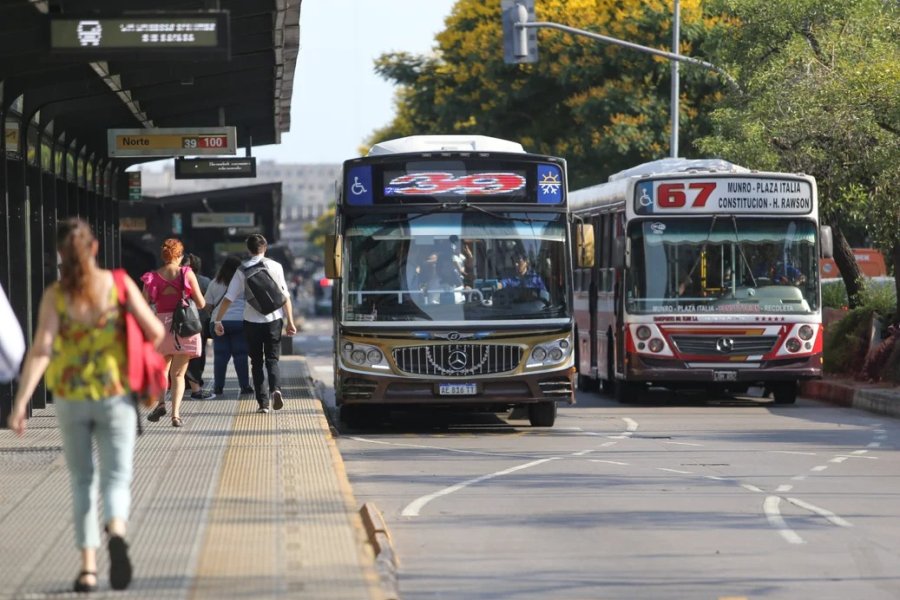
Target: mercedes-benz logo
724 345
457 360
453 335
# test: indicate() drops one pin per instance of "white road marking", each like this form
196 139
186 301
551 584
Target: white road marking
383 443
839 459
684 444
784 488
859 452
798 477
751 488
819 468
630 424
609 462
791 452
674 471
413 508
770 507
829 516
715 478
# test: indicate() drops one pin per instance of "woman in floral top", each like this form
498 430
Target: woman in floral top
80 343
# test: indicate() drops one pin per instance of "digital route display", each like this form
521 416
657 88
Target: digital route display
170 141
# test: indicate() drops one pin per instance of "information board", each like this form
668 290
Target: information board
215 168
171 141
193 33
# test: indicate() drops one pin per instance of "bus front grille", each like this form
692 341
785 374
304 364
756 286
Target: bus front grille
711 344
458 360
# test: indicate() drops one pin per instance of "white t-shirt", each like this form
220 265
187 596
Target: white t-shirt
236 289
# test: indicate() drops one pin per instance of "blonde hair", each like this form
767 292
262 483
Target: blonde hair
172 249
74 242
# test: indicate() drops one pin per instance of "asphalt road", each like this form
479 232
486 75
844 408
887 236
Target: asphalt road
674 497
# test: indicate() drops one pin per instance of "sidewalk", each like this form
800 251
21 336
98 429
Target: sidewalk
235 504
881 398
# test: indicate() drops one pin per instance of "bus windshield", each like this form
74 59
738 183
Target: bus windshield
455 266
723 264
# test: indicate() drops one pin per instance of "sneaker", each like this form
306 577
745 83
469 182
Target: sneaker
218 391
248 390
202 395
157 413
277 400
263 409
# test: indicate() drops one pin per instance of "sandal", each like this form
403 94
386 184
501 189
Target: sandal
176 422
119 563
157 413
81 586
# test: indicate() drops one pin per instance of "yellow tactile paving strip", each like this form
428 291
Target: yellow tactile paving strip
282 522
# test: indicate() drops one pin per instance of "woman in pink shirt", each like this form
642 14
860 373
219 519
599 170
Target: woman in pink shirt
164 288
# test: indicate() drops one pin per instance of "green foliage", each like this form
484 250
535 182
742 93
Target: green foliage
834 295
822 82
602 107
845 345
318 229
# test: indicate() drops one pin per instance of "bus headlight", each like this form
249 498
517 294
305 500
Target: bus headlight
363 355
806 332
643 332
550 353
793 345
655 345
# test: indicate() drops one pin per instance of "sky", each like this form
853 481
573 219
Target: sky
338 99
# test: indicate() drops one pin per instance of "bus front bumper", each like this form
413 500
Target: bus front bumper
655 370
360 388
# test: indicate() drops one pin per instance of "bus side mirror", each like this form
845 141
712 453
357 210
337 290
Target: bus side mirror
826 242
333 245
621 253
584 241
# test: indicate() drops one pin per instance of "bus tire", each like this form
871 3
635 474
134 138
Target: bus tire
354 416
785 393
626 392
542 414
585 383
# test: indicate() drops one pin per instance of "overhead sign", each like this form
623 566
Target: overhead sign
199 220
214 168
134 185
194 33
171 141
760 195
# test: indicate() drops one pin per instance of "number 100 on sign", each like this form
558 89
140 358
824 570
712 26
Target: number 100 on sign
204 142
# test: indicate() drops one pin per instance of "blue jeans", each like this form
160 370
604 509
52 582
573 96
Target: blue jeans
113 423
232 344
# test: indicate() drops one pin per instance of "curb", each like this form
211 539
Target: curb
385 558
876 400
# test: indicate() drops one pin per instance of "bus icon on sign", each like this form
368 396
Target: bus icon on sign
89 33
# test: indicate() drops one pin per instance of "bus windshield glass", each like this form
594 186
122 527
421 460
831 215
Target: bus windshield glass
455 266
723 264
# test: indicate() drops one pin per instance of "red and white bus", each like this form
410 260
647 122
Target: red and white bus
705 275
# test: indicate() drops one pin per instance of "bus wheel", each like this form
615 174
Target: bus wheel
785 393
355 416
626 392
542 414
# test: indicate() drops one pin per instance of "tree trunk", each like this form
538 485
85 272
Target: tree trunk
895 257
848 267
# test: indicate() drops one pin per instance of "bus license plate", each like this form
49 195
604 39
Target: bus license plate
458 389
724 375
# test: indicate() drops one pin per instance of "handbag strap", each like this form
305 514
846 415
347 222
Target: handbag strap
122 293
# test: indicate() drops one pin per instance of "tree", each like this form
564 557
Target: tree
603 107
318 229
822 83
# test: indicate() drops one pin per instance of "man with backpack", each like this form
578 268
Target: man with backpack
260 281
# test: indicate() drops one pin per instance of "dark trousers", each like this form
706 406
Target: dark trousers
198 364
264 340
225 347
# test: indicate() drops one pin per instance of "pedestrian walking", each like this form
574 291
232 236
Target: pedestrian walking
260 281
80 343
164 289
197 365
231 344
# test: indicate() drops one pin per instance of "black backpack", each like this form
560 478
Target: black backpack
260 289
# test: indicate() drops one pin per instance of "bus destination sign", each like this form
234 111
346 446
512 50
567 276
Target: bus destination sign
744 195
171 141
215 168
203 32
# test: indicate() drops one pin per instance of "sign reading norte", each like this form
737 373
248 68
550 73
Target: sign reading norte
172 141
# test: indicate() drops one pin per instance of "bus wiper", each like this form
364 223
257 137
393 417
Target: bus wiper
737 239
491 213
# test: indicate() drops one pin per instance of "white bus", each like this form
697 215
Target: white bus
706 275
452 279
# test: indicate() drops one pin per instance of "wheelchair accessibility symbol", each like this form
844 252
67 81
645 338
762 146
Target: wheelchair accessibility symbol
645 198
357 189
